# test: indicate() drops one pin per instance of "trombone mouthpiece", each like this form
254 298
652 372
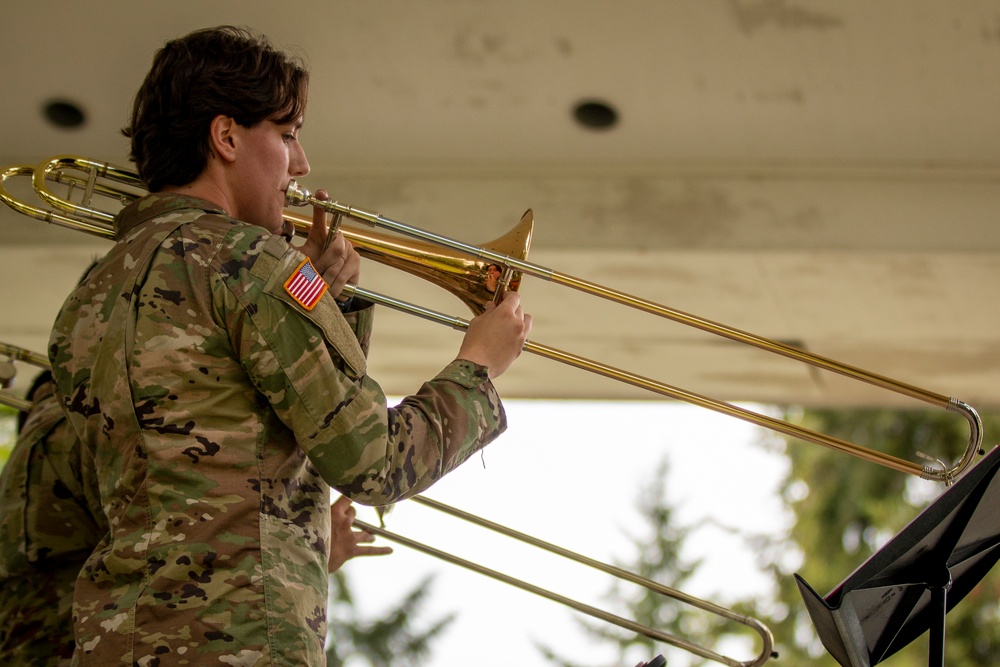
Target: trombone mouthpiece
296 195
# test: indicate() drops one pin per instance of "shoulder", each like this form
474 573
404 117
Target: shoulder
161 207
191 231
277 286
247 252
46 411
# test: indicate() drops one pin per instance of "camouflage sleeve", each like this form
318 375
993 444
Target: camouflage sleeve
312 369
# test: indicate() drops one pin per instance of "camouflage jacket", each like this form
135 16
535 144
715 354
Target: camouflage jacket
220 410
50 521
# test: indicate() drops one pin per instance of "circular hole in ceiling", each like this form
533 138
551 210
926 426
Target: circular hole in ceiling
595 114
64 114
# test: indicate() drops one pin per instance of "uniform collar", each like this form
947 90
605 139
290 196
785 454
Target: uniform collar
156 204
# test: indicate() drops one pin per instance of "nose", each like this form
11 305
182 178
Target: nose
298 166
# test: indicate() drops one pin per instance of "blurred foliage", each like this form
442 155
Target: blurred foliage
843 510
846 508
8 431
390 639
658 558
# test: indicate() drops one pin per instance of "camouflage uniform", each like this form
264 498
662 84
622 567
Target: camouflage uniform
220 412
50 521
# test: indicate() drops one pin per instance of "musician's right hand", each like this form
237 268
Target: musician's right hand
495 338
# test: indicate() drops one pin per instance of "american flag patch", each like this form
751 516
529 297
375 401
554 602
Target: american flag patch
306 286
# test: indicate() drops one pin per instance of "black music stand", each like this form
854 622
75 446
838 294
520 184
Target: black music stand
911 583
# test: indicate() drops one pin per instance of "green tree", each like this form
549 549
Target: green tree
658 558
846 508
388 640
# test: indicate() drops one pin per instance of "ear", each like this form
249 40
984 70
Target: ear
222 137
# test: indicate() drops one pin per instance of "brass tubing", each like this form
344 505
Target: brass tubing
299 197
663 389
44 215
379 221
13 401
15 353
767 642
728 409
739 336
54 170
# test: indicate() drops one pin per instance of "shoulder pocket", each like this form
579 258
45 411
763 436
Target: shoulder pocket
323 312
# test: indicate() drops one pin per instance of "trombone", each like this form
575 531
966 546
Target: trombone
8 371
766 652
463 270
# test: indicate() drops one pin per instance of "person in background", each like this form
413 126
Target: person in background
217 376
49 524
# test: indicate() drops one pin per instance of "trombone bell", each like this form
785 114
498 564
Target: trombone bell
473 280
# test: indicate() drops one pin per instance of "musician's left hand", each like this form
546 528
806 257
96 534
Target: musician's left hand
332 256
345 542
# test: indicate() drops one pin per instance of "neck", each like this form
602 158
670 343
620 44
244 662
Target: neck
207 188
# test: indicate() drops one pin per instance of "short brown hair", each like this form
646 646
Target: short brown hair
225 71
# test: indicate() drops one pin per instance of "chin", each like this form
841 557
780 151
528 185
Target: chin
272 222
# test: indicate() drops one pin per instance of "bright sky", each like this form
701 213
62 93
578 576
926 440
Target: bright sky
570 473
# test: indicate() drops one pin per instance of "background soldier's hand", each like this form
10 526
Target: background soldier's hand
345 542
333 256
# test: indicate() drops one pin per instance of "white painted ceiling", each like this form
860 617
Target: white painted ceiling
822 173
